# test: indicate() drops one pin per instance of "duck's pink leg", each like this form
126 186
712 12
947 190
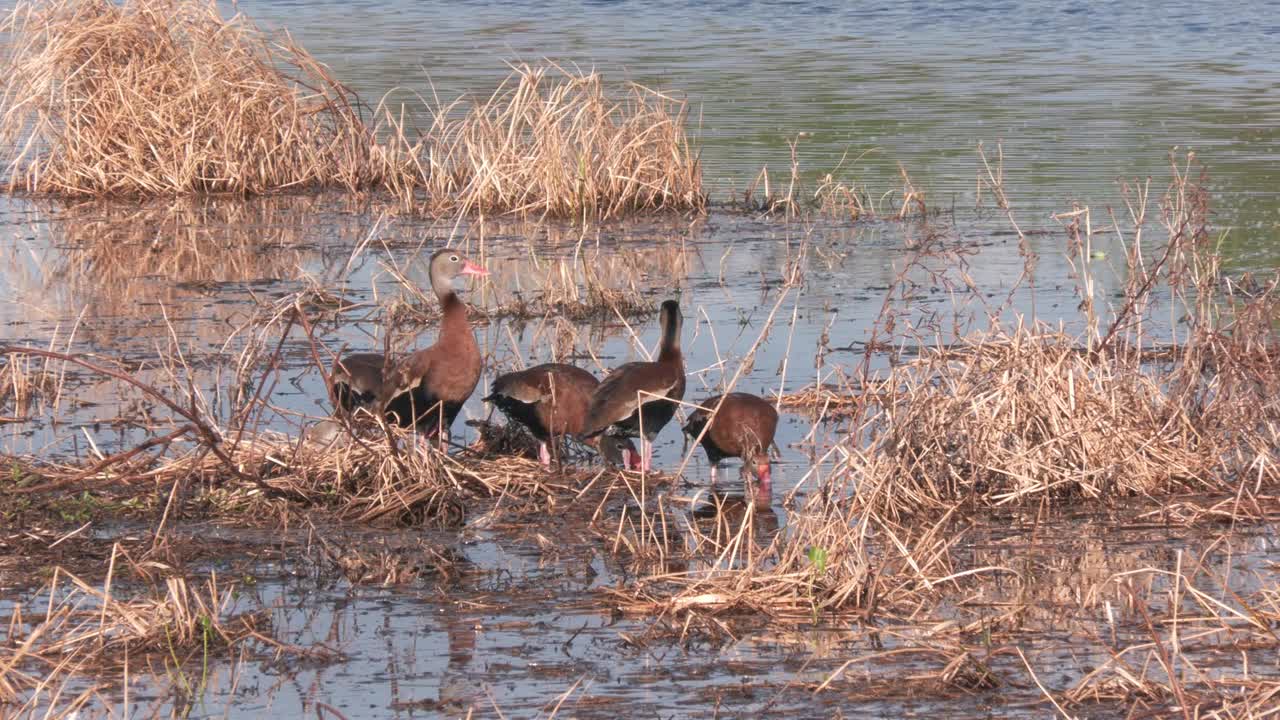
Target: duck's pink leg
544 455
764 476
713 474
424 444
646 459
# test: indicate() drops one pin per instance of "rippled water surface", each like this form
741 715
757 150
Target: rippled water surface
1080 94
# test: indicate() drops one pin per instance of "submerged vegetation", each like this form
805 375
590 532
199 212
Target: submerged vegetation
161 97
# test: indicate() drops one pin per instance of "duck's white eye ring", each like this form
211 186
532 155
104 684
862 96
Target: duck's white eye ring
453 259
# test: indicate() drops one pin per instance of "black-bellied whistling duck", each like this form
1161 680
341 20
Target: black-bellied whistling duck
356 380
427 388
552 400
639 395
618 451
743 427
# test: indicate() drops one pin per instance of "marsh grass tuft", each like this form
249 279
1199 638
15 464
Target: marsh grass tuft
1022 414
555 142
155 97
23 383
168 97
833 560
75 628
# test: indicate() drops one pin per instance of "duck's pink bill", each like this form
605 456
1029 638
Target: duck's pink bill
470 268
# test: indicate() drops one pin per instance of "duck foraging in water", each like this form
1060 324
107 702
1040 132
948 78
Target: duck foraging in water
639 398
550 400
618 451
742 427
427 388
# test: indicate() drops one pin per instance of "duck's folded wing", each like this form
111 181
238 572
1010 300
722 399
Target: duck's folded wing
405 376
359 371
625 390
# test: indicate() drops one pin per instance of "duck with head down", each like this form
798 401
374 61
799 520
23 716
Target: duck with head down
551 400
639 398
737 425
427 388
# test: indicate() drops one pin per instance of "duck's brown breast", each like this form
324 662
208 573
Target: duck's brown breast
453 371
744 426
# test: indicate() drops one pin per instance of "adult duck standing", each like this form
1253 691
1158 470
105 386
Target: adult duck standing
551 400
639 398
743 426
427 388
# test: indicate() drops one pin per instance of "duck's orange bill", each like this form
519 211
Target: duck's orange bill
470 268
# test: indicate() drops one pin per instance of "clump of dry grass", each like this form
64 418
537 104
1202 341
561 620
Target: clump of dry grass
1035 413
22 385
554 142
158 97
78 629
1028 414
833 197
362 478
168 97
833 559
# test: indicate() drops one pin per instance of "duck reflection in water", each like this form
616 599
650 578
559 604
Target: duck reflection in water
722 517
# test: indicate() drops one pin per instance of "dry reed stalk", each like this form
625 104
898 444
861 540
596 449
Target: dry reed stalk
832 198
1191 617
23 386
169 97
836 199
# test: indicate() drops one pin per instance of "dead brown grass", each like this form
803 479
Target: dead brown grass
1026 414
159 97
371 481
1123 419
1034 413
77 629
833 560
554 142
23 383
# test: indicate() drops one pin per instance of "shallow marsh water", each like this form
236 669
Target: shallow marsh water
524 619
1079 95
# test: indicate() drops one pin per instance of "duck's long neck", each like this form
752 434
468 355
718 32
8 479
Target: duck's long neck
454 323
669 350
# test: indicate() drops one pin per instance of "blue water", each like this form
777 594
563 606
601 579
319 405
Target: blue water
1080 93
